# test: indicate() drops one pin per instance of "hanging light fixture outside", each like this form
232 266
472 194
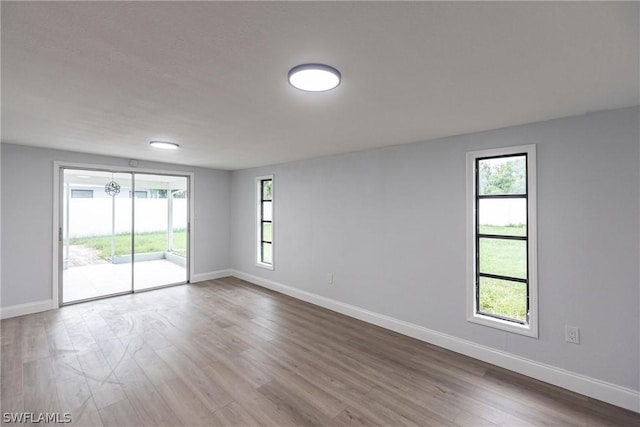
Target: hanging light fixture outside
165 145
112 188
314 77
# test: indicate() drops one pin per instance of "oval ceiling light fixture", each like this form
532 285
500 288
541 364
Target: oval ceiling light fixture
165 145
314 77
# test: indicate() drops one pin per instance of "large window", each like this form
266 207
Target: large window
502 238
264 224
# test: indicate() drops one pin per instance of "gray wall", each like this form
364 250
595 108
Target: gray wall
390 225
27 207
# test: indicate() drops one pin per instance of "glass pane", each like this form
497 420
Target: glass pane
503 257
502 175
160 230
503 298
267 210
267 253
97 234
506 217
266 231
179 222
267 189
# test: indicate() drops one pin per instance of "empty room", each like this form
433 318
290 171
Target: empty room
320 213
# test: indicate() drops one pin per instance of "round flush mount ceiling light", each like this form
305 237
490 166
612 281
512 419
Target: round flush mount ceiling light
165 145
314 77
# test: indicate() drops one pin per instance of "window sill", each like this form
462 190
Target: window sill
265 266
526 330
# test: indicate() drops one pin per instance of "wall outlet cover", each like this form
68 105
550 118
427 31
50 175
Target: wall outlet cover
572 334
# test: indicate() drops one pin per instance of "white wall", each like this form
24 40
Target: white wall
27 210
390 225
93 217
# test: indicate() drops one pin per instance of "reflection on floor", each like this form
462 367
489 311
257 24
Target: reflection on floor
90 281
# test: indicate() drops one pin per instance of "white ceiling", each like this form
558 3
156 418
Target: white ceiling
106 78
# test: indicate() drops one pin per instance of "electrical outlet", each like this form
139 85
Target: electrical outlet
330 278
572 334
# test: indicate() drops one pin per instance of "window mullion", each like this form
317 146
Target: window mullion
502 196
502 236
501 277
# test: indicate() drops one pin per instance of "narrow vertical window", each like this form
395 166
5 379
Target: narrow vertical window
502 239
264 224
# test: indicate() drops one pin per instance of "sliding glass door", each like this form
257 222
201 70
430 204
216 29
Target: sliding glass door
122 232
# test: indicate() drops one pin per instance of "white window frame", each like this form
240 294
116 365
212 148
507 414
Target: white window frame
258 233
530 328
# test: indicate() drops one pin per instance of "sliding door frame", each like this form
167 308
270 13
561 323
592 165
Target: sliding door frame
57 238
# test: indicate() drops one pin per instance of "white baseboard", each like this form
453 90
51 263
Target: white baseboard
201 277
594 388
28 308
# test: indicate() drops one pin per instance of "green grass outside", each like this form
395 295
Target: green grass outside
509 230
266 232
508 299
505 258
144 242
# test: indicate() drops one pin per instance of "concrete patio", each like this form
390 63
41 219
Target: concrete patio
95 280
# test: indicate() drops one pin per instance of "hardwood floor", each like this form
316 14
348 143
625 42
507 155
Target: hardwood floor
227 353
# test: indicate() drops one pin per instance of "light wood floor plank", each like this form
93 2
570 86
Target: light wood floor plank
302 411
234 415
151 408
153 366
352 418
120 414
190 410
209 392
